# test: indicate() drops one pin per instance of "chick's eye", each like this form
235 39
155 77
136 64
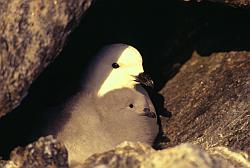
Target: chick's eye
115 65
131 105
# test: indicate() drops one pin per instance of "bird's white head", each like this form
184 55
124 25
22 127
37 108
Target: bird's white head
124 62
117 66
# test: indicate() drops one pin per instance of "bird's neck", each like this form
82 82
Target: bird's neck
116 82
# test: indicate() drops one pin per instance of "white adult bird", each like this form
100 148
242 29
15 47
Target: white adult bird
112 106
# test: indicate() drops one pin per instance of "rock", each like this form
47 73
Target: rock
230 158
234 3
46 152
127 154
139 155
210 102
32 34
185 155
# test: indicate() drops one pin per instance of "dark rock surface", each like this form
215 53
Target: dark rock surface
46 152
32 34
210 101
233 3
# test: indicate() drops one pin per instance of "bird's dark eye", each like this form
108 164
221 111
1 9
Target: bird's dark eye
131 105
115 65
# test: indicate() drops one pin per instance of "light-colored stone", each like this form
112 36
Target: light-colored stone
32 34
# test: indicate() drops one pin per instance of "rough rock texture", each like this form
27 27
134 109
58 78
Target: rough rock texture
232 158
139 155
49 153
210 102
234 3
127 154
32 34
46 152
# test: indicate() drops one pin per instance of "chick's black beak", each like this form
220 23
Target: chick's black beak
144 79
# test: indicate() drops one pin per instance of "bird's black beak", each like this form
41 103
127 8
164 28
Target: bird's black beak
144 79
